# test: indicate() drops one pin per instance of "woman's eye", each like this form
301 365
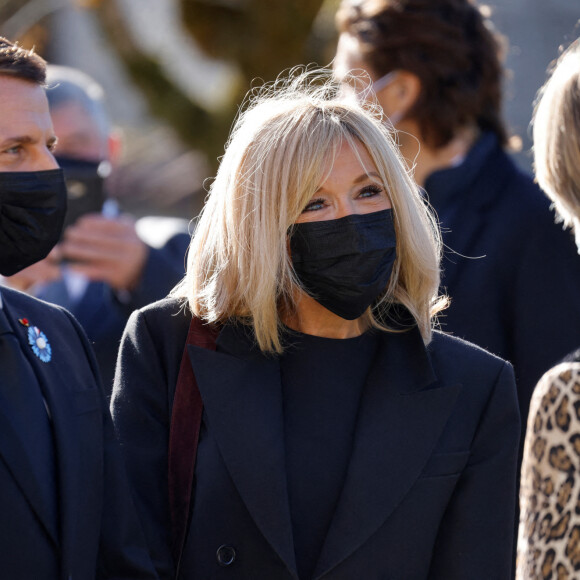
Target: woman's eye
314 205
370 191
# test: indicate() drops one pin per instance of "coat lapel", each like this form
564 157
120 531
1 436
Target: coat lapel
241 391
402 415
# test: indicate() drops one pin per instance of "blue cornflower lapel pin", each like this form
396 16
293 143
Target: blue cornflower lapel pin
37 341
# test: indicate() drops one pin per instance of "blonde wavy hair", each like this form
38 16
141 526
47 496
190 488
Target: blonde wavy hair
556 126
281 145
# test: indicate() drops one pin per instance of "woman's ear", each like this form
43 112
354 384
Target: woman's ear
399 96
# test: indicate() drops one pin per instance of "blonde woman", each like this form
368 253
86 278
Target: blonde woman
549 533
341 437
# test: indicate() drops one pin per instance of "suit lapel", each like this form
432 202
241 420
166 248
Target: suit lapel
18 463
56 379
66 440
402 414
13 450
242 397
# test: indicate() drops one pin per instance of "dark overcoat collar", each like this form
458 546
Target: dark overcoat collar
454 186
465 199
404 411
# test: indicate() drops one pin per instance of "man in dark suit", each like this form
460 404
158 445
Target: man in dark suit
108 264
67 512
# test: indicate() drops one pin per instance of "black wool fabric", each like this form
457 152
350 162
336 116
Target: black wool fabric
322 381
511 272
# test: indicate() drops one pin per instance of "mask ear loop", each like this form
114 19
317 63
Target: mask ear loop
379 85
384 81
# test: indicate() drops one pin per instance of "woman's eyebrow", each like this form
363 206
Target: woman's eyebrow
365 176
359 179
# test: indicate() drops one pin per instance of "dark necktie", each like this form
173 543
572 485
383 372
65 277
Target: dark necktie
22 392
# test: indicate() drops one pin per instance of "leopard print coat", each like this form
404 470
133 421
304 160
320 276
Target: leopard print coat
549 529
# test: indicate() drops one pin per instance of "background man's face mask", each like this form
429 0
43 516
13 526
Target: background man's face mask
85 187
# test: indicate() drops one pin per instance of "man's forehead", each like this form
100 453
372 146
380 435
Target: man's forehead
23 108
13 84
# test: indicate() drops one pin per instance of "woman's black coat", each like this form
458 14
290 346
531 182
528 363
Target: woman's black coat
429 491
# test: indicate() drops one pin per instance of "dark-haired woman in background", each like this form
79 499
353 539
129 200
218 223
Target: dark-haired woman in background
512 274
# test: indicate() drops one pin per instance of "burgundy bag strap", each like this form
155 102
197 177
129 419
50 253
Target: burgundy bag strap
184 435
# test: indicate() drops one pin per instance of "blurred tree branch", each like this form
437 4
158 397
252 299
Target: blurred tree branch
19 16
194 125
260 37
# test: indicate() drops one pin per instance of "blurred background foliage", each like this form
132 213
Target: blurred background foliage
260 38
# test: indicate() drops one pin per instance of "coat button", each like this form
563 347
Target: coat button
225 555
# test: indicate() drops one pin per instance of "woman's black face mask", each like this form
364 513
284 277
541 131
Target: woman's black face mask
32 211
345 264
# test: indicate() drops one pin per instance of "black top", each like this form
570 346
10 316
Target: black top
322 383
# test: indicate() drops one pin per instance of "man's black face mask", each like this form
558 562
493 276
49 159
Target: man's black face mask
32 211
